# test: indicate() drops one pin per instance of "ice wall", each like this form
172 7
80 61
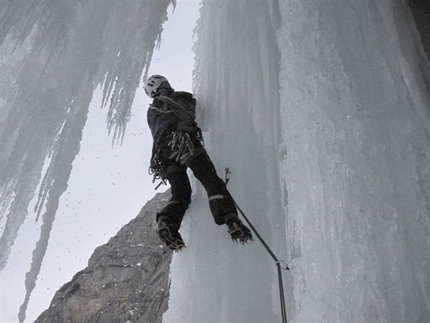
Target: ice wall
237 65
356 123
53 54
334 149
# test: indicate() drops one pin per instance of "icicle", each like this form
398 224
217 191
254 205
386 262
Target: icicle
64 50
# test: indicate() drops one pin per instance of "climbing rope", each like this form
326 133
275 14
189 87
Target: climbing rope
271 253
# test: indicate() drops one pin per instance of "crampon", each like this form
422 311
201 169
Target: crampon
239 232
171 238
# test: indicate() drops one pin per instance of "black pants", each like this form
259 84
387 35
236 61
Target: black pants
220 201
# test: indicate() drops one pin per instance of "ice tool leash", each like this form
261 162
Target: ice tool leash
271 253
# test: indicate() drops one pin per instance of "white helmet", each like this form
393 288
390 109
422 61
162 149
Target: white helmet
152 84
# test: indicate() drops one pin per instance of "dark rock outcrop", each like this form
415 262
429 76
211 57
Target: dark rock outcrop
127 279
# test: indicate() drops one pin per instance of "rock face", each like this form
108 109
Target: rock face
127 279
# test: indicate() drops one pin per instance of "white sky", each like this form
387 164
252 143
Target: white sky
108 186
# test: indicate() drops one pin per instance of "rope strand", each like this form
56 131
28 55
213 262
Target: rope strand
271 253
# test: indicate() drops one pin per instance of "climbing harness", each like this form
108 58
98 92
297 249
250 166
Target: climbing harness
271 253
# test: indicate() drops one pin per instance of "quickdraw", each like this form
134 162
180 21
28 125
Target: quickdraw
156 170
182 147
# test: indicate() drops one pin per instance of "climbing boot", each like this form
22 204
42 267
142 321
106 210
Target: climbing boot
237 230
169 234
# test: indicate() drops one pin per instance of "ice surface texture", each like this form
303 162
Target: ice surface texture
320 107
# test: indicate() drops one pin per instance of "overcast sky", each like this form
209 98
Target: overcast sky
108 186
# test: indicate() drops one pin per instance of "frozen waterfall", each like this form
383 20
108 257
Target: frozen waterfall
321 109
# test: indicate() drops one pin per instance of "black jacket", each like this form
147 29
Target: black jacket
166 117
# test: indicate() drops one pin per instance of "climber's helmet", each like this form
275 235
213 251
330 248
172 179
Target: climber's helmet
154 84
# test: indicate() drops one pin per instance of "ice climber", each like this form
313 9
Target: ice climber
178 145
